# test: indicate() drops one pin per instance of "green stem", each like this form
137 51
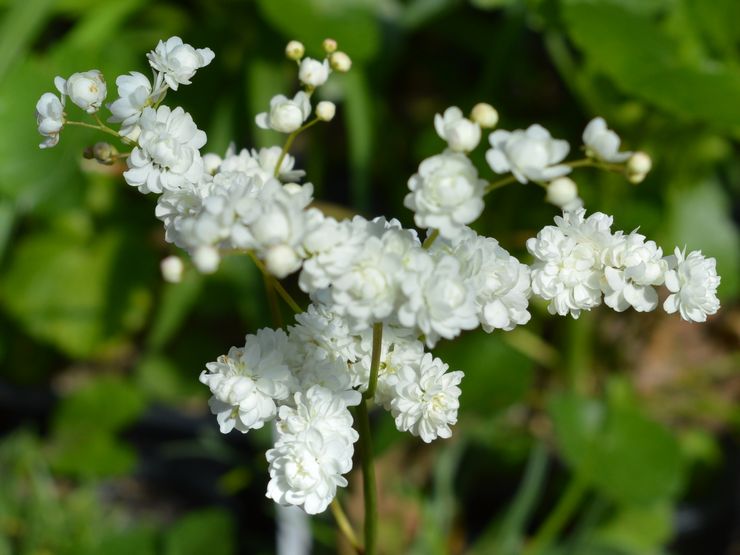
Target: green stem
289 143
344 525
559 517
104 129
498 184
368 478
429 241
289 300
372 383
272 301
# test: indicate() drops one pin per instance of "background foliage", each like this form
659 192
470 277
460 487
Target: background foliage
623 427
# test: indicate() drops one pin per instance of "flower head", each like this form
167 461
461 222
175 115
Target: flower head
50 118
603 143
313 73
178 61
134 94
285 115
86 89
693 282
531 155
461 134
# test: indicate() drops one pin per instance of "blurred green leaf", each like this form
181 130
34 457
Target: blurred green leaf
19 25
637 530
178 299
207 531
352 23
620 452
104 455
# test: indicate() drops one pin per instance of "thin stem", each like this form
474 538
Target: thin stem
289 300
368 478
498 184
429 241
559 517
289 143
272 301
344 525
375 361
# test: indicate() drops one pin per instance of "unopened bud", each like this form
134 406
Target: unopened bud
206 259
484 115
561 191
172 268
325 110
340 61
103 153
281 260
638 166
211 163
330 45
295 50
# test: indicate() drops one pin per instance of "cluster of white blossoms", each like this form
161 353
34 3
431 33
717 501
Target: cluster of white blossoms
380 296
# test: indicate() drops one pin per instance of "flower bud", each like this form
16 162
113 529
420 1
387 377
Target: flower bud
295 50
286 117
281 260
172 268
206 259
211 163
484 115
340 61
325 110
271 228
463 135
638 167
103 153
86 89
330 46
561 191
313 73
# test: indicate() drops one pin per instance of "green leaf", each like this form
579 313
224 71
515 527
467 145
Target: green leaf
18 28
620 452
90 455
352 23
206 531
638 530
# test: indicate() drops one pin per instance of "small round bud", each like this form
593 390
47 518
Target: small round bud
638 167
172 268
281 260
340 61
86 89
325 110
206 259
295 50
330 45
484 115
211 163
561 191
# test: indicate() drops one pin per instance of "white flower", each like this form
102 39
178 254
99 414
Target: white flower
50 118
340 61
436 298
484 115
461 134
285 115
86 89
603 143
638 166
325 110
326 331
206 259
446 193
172 269
427 399
501 283
568 266
531 155
294 50
633 267
693 282
168 156
313 72
247 382
134 94
563 193
177 61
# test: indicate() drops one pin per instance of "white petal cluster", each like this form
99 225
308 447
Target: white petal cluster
446 193
602 143
247 382
286 114
501 283
86 89
531 154
167 157
427 399
314 448
692 281
134 94
633 267
177 62
313 73
50 118
461 134
568 268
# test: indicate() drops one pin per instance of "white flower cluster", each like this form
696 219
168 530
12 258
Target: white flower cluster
307 379
579 262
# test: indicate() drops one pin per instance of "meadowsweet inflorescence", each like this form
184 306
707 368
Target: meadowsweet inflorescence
378 293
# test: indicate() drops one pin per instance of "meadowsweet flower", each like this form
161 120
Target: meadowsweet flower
167 157
563 193
294 50
484 115
313 73
285 115
427 399
134 94
446 193
247 381
461 134
531 155
638 166
50 118
86 89
692 281
325 110
178 61
602 143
